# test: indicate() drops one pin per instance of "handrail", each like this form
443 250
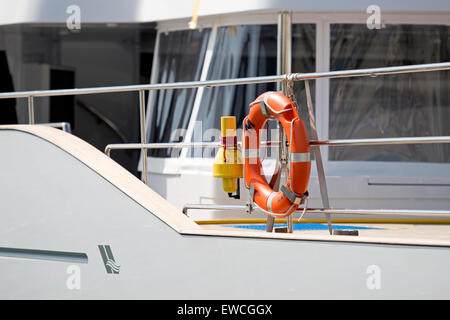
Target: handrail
331 143
370 212
105 119
380 141
371 72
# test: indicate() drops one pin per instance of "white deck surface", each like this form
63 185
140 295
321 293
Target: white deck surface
438 234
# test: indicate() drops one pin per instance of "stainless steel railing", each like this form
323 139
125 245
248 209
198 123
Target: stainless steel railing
287 78
336 142
332 143
370 212
372 72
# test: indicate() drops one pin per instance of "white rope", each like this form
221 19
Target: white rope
304 210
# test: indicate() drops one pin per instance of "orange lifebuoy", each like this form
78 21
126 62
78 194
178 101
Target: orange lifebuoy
285 201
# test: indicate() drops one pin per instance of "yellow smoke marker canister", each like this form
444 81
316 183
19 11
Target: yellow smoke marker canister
228 160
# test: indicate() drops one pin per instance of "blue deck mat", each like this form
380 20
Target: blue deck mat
297 226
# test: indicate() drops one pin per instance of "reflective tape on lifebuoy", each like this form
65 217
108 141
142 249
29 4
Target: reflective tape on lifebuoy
276 203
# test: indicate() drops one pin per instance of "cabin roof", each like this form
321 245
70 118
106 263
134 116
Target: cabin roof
141 11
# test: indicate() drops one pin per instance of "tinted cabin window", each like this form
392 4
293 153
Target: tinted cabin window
239 51
250 51
406 105
180 58
304 61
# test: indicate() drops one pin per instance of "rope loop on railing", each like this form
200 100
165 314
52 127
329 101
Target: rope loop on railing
305 200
